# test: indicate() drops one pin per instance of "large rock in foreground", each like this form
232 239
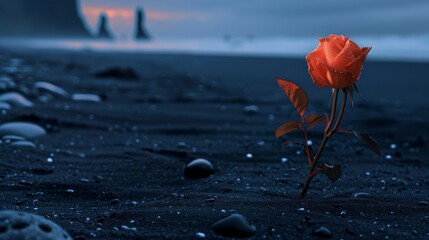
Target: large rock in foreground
26 226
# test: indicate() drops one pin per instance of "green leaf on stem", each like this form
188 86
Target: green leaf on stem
287 128
333 172
314 119
297 95
370 142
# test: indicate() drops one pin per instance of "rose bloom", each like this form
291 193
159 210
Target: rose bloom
337 62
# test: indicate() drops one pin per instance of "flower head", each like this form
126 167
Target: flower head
337 62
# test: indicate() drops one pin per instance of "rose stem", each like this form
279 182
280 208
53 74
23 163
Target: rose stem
327 135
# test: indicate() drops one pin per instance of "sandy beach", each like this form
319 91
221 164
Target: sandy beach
112 167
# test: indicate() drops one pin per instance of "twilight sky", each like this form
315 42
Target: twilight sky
264 19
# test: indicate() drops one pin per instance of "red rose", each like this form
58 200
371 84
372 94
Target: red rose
337 62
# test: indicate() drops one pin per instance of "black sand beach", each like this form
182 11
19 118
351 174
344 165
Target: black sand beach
115 168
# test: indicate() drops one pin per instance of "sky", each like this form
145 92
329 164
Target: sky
173 19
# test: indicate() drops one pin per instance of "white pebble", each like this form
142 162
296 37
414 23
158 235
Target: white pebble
200 235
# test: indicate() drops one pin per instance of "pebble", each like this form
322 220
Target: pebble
12 138
23 143
360 194
15 99
126 228
114 201
26 226
322 232
235 225
22 129
51 88
199 168
423 204
86 97
5 106
251 109
200 235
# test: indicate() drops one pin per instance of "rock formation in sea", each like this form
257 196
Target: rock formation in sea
103 28
141 32
41 18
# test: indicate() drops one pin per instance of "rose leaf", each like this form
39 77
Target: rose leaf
297 95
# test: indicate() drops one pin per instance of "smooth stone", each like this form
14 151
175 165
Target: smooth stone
251 109
15 99
13 138
51 88
87 97
5 105
322 232
23 144
199 168
26 226
22 129
6 83
360 194
235 225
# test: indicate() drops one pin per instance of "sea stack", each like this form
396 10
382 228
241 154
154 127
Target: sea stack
141 33
41 19
103 28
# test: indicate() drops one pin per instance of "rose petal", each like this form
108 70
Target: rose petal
332 46
340 78
348 54
318 71
356 66
317 53
325 76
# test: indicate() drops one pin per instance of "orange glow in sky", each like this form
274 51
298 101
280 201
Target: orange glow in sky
94 12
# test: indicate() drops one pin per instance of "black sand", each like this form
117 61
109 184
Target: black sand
120 162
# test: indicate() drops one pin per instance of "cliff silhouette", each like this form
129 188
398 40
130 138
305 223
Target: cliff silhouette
41 18
103 28
141 32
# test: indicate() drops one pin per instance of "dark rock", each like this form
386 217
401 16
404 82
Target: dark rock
235 225
26 226
118 73
103 28
41 171
423 204
42 18
141 32
418 143
25 183
322 232
199 168
114 201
